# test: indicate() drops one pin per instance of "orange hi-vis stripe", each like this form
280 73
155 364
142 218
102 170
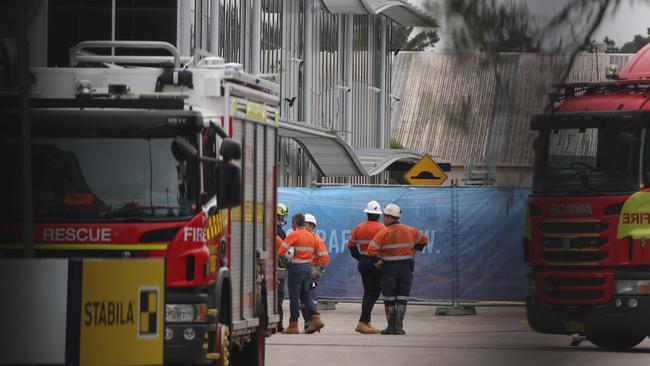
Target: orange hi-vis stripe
396 242
304 243
363 235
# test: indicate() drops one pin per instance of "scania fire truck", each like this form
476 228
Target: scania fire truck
588 219
155 156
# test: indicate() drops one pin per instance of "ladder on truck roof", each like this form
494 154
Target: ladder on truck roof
201 59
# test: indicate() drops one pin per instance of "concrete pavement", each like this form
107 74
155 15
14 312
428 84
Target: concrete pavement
496 336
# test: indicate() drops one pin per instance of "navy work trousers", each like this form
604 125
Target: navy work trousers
396 278
371 279
298 282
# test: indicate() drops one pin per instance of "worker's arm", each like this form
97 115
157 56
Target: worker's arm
352 245
284 246
374 250
421 240
323 256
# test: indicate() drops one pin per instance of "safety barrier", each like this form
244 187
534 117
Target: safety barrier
82 311
475 236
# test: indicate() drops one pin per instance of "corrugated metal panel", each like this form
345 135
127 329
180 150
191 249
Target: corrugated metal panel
248 244
448 102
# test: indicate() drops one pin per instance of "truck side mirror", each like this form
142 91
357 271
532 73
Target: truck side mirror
185 147
230 150
229 185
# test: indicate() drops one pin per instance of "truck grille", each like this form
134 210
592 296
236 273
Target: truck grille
573 227
574 256
574 288
573 243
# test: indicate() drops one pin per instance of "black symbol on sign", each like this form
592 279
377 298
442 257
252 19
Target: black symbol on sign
425 175
148 322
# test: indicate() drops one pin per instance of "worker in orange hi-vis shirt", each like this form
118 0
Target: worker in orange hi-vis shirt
393 249
318 264
370 276
305 246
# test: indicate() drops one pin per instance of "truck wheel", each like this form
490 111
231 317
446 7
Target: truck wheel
614 342
224 345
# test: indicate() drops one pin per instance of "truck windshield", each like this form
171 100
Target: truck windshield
108 179
587 161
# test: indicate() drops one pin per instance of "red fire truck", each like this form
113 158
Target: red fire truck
148 161
588 219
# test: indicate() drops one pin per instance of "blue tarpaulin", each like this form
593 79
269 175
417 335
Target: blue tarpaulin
489 250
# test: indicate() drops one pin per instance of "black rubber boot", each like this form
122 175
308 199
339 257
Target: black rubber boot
400 313
390 319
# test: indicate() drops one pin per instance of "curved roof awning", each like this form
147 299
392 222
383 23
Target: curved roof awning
399 11
376 161
333 157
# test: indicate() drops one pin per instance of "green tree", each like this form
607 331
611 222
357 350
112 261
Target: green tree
420 42
636 44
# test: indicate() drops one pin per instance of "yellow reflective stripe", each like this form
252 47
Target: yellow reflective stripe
419 238
396 257
375 245
285 245
395 246
302 261
305 249
82 246
321 254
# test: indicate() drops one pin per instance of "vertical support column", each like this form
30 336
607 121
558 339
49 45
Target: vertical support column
308 62
349 28
255 37
382 86
184 28
340 80
307 82
214 27
113 6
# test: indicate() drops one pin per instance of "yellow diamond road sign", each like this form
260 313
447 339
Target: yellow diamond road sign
425 173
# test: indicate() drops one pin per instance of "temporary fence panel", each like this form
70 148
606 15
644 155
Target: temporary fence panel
475 236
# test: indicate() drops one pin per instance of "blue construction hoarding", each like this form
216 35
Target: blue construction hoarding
480 229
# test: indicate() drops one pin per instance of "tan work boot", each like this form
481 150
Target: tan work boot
292 328
365 328
373 330
315 324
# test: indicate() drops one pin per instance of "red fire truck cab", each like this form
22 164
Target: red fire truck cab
588 219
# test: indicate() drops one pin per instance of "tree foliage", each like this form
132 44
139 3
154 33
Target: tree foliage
636 44
401 39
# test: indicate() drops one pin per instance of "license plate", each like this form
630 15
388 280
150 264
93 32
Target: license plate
572 327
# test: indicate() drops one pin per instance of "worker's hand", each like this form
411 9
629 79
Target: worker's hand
379 264
315 275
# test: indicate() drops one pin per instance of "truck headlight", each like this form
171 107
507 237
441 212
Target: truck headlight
185 313
632 287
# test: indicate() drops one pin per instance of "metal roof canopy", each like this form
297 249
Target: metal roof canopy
333 157
399 11
376 161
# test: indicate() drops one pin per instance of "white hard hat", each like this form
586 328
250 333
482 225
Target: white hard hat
311 219
392 210
373 207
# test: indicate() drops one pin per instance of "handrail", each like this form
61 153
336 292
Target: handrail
75 52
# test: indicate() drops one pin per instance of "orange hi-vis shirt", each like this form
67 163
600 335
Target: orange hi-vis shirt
304 243
363 235
321 257
396 242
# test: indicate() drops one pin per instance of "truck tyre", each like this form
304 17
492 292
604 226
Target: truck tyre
224 345
615 342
